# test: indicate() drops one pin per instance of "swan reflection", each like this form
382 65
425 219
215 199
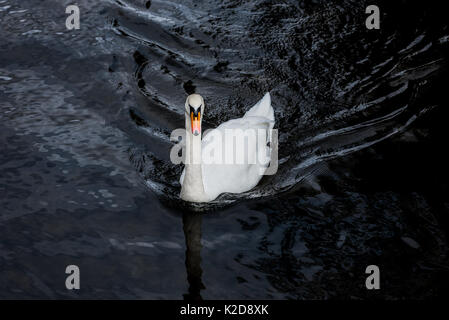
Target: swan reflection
192 231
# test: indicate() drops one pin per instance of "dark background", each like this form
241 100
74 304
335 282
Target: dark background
85 177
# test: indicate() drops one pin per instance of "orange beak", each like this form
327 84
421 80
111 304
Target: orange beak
196 123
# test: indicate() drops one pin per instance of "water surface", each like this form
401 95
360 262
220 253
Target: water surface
85 175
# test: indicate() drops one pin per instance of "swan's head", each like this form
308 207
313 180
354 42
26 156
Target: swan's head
195 110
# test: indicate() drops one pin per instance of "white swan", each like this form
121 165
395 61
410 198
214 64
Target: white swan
203 182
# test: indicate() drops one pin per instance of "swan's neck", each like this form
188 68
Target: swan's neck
192 186
193 150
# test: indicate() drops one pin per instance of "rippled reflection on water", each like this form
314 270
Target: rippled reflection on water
85 175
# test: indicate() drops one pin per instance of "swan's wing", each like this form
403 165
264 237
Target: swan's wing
236 178
262 109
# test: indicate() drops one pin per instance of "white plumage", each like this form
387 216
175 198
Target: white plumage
218 178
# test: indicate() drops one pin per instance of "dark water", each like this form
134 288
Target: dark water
85 176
